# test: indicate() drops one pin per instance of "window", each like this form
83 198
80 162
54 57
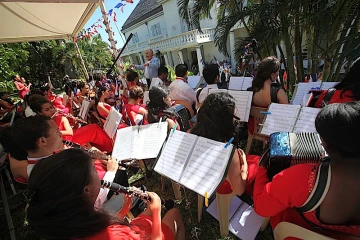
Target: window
135 38
156 30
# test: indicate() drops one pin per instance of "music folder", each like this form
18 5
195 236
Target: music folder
112 122
197 163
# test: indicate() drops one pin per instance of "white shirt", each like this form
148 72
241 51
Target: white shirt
29 112
146 71
102 197
156 82
205 92
180 90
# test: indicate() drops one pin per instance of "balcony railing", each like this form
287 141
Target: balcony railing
187 39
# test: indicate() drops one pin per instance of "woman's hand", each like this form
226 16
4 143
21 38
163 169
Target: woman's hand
155 204
243 164
126 206
112 165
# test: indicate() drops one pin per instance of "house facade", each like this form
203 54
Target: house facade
156 24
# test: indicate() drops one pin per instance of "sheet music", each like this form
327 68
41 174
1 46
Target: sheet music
125 143
84 109
211 90
306 99
246 223
194 81
243 103
281 119
236 83
140 142
112 122
327 85
247 83
174 155
301 89
146 98
306 120
152 137
206 167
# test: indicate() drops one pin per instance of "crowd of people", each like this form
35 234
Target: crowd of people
79 208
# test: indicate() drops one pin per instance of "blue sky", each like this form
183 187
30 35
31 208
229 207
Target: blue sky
120 17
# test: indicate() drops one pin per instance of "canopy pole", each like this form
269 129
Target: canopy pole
111 37
81 61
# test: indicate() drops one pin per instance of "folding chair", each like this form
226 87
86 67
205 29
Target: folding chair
258 119
285 229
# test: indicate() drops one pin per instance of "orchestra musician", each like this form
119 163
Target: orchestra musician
63 206
21 86
336 212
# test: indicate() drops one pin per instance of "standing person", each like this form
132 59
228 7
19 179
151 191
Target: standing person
150 67
160 80
21 86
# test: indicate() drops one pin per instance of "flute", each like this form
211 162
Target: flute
69 115
99 155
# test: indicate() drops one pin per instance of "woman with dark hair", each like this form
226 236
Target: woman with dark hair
130 80
337 212
44 107
61 193
158 107
100 102
21 86
55 100
216 120
266 89
134 110
346 91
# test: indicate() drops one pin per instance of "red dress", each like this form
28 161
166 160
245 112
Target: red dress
336 97
289 190
132 110
57 102
104 115
22 92
60 123
95 135
251 122
252 161
139 229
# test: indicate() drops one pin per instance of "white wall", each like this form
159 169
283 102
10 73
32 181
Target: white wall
209 23
161 20
210 50
172 18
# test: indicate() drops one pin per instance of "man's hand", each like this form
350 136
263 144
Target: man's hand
146 64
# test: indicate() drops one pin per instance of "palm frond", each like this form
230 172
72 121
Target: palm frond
183 6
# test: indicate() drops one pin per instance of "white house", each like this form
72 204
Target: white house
156 24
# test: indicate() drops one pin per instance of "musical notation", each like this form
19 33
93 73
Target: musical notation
243 103
174 156
327 85
306 120
240 83
281 119
206 167
301 89
112 122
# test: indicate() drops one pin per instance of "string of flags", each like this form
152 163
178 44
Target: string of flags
87 33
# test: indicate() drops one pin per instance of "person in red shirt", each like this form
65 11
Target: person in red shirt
346 91
337 213
136 112
61 193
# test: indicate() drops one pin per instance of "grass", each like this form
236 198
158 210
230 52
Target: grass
207 229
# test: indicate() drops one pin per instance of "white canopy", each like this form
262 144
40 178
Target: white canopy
35 20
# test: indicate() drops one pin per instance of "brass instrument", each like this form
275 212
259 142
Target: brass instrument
69 115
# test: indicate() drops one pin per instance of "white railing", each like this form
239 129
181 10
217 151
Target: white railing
187 39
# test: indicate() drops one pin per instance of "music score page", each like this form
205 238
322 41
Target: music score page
306 120
175 154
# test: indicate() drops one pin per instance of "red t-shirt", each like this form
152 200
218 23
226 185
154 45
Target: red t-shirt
337 97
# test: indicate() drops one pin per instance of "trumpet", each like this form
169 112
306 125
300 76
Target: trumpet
68 115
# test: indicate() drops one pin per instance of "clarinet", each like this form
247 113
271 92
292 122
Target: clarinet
69 115
132 191
96 154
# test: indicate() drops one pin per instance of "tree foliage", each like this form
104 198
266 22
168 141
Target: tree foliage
36 61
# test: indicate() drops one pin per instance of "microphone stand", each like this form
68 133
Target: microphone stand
118 56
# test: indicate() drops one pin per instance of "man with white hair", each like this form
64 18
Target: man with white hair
150 67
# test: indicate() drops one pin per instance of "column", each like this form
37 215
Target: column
131 59
166 59
232 52
181 57
141 59
200 59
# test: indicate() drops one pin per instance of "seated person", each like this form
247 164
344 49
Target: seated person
83 94
6 109
162 77
55 100
337 213
4 96
345 91
136 112
211 76
102 107
44 107
68 212
179 88
158 107
216 121
32 96
265 88
131 79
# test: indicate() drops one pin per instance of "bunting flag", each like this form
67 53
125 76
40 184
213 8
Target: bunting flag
122 8
119 5
114 16
110 12
128 1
